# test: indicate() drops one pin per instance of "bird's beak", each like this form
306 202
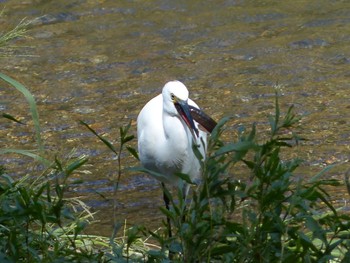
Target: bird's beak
184 110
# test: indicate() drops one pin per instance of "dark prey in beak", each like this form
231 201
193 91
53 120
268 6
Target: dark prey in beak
203 119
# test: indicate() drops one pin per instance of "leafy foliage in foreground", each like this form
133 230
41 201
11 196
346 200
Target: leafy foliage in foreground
271 216
37 223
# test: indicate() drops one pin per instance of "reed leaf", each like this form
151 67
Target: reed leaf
28 153
33 109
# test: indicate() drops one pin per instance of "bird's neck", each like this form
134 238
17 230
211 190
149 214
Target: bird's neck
175 130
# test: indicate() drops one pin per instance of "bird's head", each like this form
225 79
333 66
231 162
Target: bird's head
175 97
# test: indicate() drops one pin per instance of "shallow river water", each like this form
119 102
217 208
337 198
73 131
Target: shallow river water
101 61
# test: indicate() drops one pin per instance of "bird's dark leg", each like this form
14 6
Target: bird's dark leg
185 191
167 206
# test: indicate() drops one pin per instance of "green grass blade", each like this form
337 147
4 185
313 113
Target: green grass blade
30 99
10 117
27 153
159 176
102 139
317 177
242 146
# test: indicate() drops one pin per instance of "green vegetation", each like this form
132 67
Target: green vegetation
269 216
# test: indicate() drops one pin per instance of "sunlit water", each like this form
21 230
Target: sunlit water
101 61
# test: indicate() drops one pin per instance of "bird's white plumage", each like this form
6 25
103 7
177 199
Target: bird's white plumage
164 139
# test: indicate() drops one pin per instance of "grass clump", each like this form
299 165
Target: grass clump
19 30
38 223
8 36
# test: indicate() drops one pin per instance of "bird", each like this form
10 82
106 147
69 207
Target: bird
168 127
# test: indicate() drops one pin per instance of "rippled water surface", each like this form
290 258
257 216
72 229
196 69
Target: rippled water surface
100 61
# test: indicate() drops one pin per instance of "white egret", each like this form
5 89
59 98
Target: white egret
167 131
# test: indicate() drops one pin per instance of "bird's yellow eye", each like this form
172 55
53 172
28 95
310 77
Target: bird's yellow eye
172 97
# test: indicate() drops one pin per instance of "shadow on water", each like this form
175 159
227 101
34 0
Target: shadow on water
101 62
